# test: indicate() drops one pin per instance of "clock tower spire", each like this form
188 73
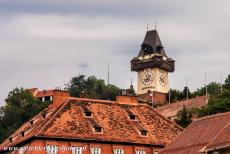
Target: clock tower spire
152 66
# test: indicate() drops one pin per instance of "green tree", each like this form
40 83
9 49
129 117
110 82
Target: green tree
92 88
184 117
227 82
213 89
184 93
20 107
175 95
217 104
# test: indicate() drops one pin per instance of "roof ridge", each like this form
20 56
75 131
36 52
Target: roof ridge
217 135
179 102
52 117
92 100
212 116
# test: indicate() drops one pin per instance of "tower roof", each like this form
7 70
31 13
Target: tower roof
152 44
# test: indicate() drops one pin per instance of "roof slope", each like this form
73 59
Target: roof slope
221 140
198 134
171 110
152 40
69 121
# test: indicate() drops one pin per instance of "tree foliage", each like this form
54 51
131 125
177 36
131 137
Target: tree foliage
217 104
184 117
20 107
92 87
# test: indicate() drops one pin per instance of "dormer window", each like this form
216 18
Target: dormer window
31 123
132 117
22 134
43 115
144 132
86 110
98 129
10 139
88 114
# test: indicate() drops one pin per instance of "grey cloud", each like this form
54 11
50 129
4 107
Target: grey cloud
45 43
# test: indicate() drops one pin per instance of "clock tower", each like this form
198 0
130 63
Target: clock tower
152 66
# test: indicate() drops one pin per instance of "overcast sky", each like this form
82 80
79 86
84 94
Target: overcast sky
43 43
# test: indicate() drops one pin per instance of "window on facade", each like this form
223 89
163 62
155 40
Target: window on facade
95 150
51 149
77 150
140 152
155 152
118 151
48 98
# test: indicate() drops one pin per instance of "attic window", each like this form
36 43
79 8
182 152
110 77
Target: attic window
22 134
88 114
43 115
98 129
31 122
10 139
144 133
86 111
132 117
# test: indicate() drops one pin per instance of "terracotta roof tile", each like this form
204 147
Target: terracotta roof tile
69 121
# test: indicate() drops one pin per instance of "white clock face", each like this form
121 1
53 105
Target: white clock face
147 78
163 79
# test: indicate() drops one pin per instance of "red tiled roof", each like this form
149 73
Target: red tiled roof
222 140
199 134
45 93
171 110
69 121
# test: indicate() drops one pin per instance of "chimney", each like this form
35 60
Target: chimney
127 99
59 97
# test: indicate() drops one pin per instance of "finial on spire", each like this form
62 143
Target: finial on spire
155 25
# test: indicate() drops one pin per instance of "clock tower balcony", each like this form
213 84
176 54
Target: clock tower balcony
154 62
